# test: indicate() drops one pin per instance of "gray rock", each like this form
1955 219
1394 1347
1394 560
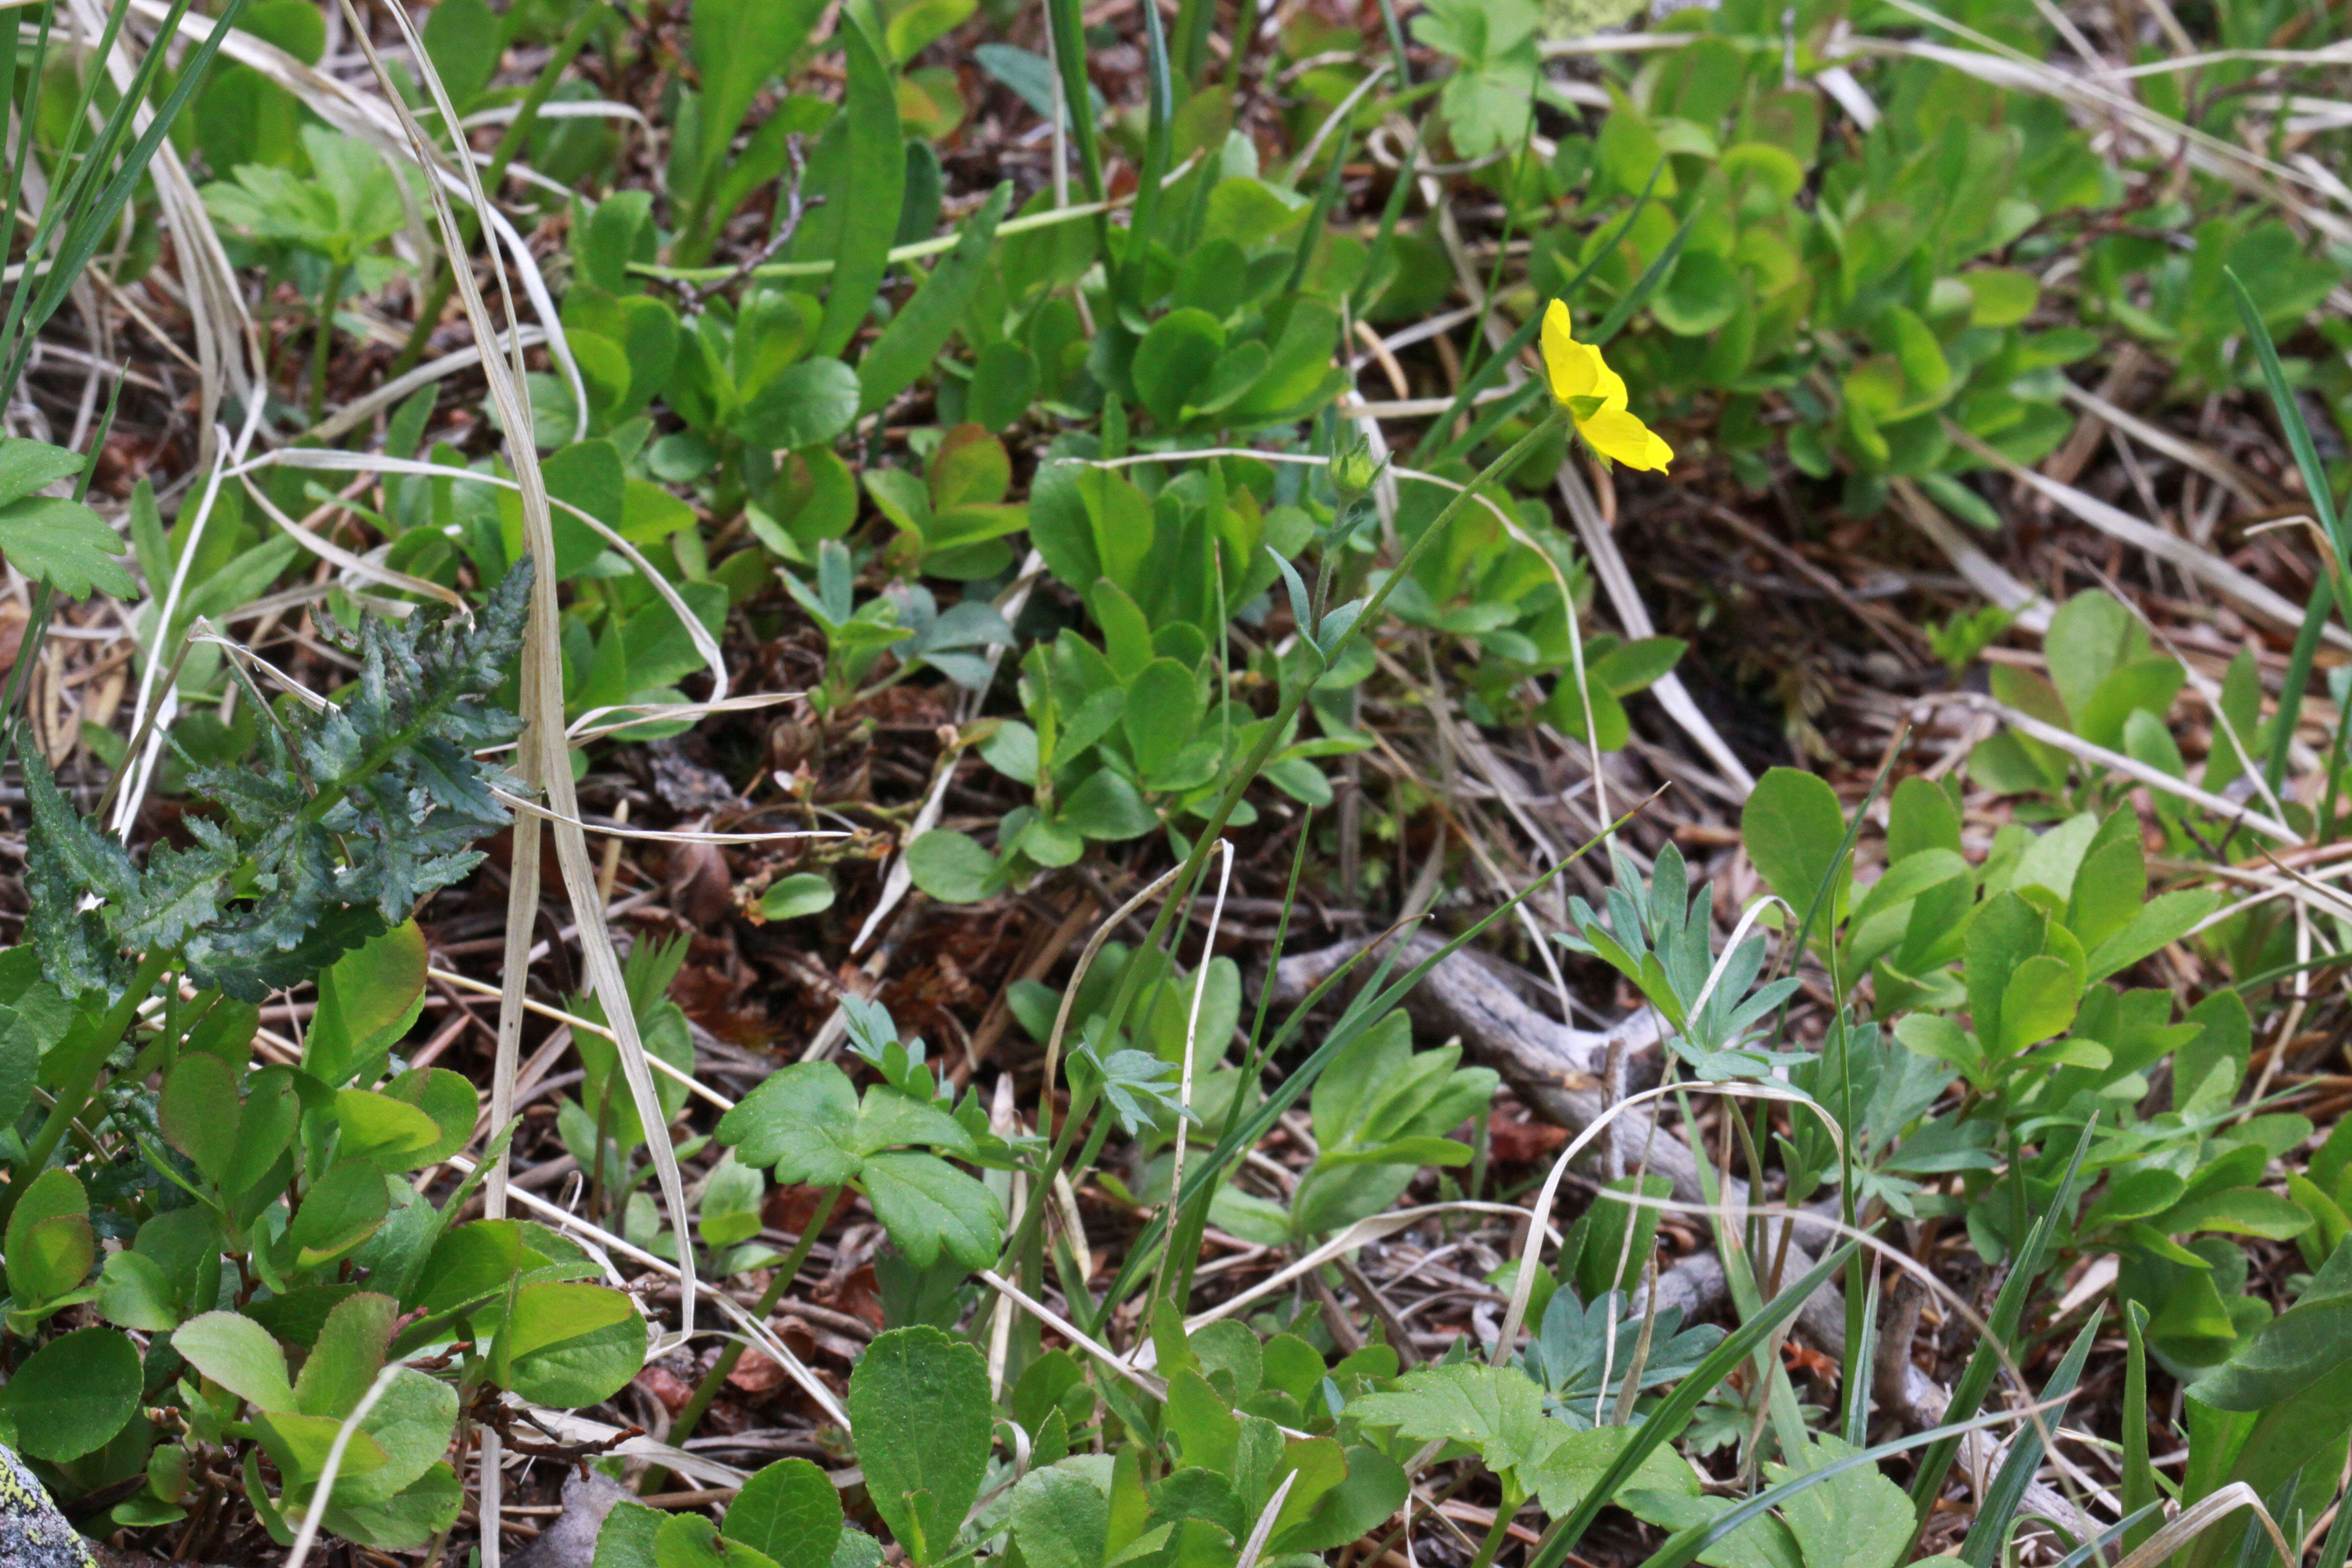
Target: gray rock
571 1541
33 1534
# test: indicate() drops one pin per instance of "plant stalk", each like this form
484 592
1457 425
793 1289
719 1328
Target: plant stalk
322 342
707 1389
1497 1534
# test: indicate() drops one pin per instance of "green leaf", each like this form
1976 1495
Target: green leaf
138 1294
1163 708
950 866
912 342
570 1345
199 1112
237 1353
1565 1476
1792 826
802 893
626 1539
368 999
738 46
807 405
1375 1487
2240 1210
387 1133
300 1444
1107 807
1856 1519
2038 1002
930 1207
340 1213
2091 636
1631 666
20 1058
1206 1433
791 1512
28 466
409 1519
2162 920
2006 932
691 1540
1498 1410
860 220
461 39
65 544
1175 357
347 1356
803 1120
50 1243
410 1425
1061 1519
449 1099
73 1395
2000 296
919 1404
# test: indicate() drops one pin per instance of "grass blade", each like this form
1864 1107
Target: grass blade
1327 196
2332 590
1675 1413
2007 1310
2338 1546
1366 1009
1070 50
2008 1491
2140 1491
1688 1544
1860 1360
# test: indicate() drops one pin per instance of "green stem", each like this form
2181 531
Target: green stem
322 342
29 649
707 1389
1181 892
445 276
85 1053
1497 1534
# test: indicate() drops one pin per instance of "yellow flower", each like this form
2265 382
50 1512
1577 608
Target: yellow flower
1595 397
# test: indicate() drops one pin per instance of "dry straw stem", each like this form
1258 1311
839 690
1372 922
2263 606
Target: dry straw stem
758 1334
2263 602
544 754
1982 573
2154 778
333 1465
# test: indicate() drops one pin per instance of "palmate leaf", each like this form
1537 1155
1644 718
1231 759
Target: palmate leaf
1497 1410
65 544
27 466
1568 1356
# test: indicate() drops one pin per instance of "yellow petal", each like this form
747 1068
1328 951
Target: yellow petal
1606 384
1571 368
1622 439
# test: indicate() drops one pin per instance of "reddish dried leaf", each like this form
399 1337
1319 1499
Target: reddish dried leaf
1516 1139
666 1386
